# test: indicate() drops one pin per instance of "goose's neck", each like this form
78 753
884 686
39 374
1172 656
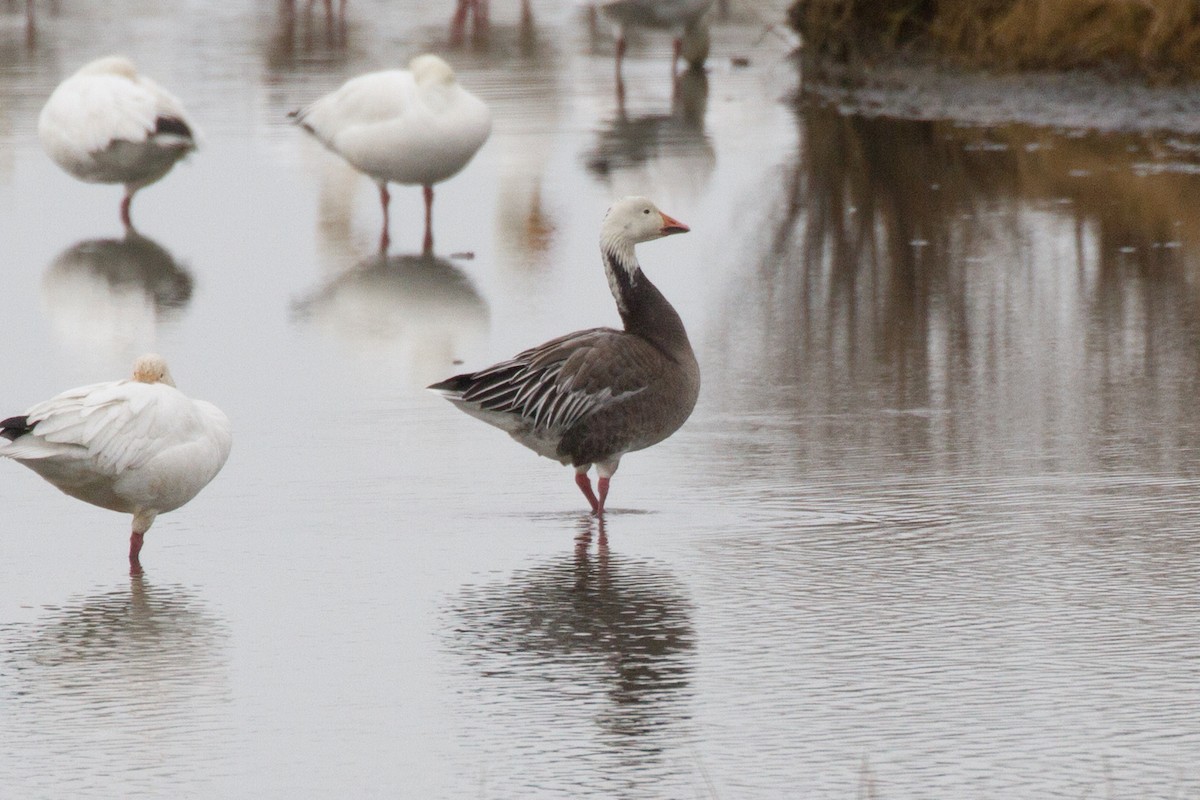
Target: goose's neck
643 308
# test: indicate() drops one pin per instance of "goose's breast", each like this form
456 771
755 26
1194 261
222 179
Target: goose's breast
173 476
420 147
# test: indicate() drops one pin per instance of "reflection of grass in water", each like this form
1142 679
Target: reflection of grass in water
1040 285
1159 39
918 180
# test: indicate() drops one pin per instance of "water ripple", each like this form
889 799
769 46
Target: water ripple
114 694
595 651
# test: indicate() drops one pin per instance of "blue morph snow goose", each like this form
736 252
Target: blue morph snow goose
139 446
592 396
683 18
108 124
416 126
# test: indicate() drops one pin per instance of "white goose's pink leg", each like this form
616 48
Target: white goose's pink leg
142 521
136 540
458 21
428 245
620 78
126 202
384 199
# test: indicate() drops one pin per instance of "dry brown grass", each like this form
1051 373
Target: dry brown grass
1156 38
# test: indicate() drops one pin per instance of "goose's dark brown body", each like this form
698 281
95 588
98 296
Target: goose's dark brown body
591 396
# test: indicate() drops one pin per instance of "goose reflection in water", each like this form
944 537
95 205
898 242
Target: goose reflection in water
30 28
133 679
674 143
416 310
110 294
479 14
594 635
297 38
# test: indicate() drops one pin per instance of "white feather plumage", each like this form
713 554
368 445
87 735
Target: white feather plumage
415 126
133 446
109 124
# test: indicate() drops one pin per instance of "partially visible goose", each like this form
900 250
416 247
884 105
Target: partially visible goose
415 126
137 446
108 124
592 396
683 18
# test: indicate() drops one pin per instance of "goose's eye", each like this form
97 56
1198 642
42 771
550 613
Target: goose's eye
645 211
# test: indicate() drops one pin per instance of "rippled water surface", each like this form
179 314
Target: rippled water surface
930 532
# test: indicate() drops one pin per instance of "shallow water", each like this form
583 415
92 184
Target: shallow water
931 531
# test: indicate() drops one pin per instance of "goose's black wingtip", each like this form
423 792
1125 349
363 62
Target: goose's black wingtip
14 427
298 118
174 126
456 385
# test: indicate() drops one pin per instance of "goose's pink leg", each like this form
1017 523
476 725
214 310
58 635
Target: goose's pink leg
620 79
135 548
428 246
585 485
125 203
602 484
459 21
384 199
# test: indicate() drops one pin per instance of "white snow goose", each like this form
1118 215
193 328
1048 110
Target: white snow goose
592 396
683 18
108 124
415 126
137 446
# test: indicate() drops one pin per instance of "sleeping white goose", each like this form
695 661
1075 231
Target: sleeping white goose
592 396
416 126
108 124
137 446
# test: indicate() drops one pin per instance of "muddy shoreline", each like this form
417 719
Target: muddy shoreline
1077 100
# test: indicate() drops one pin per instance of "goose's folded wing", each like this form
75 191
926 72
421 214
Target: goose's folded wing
554 385
366 100
111 108
111 426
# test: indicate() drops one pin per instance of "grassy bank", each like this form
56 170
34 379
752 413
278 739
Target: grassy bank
1159 39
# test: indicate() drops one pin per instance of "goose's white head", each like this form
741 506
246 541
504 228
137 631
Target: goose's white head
152 368
633 220
110 65
429 70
